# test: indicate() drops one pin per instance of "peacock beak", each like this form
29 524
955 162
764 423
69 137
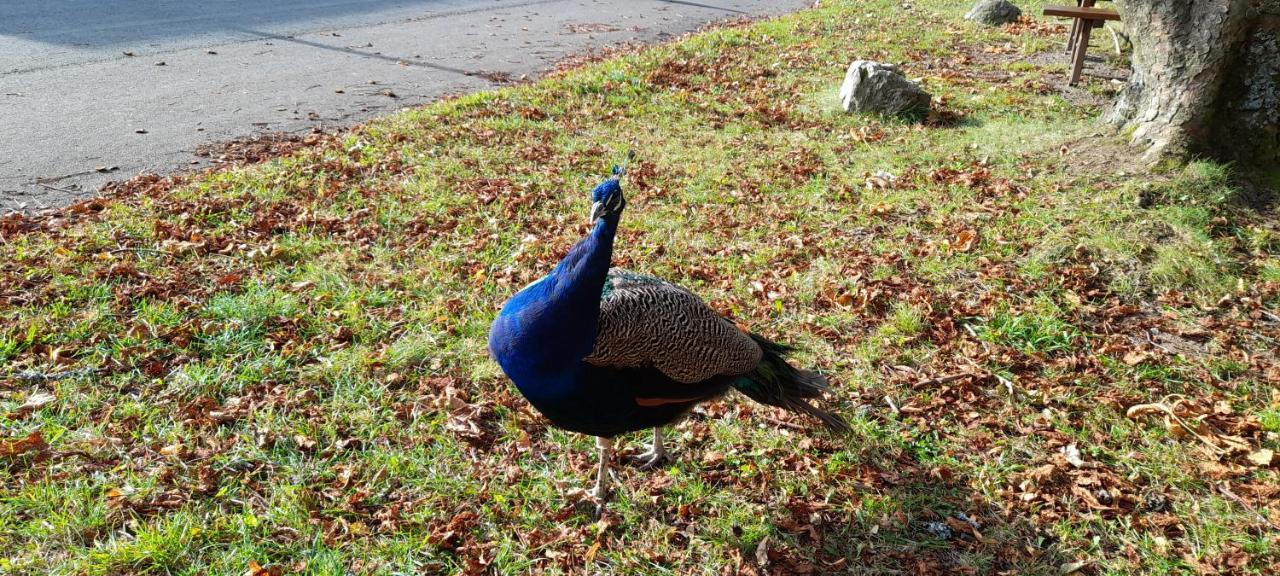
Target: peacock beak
597 210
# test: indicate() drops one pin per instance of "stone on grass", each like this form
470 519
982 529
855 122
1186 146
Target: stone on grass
879 88
993 12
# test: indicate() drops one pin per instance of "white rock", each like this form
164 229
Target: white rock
993 12
879 88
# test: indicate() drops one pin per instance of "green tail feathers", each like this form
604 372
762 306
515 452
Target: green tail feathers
777 383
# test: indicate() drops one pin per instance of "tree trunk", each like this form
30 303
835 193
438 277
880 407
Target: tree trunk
1205 80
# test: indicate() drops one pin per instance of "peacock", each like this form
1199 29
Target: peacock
604 351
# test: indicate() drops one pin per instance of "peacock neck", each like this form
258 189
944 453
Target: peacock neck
551 326
587 263
576 283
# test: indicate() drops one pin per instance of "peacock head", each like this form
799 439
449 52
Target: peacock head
606 199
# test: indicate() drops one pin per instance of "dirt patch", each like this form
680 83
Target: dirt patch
1105 153
1098 70
1103 77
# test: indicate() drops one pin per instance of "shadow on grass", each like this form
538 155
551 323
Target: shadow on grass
910 519
881 511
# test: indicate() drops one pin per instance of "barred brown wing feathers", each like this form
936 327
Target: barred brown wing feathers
646 321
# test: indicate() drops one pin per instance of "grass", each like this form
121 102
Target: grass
285 363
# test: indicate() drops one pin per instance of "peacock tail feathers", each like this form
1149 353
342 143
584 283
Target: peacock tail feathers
775 382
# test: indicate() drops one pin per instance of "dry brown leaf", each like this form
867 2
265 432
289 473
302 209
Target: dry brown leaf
1089 498
34 402
965 240
1237 559
1135 357
37 401
1190 423
256 569
1264 457
1217 471
33 442
961 526
1154 408
1071 568
305 444
881 209
1234 444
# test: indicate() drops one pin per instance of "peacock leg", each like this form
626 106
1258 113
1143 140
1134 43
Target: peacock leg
601 490
655 456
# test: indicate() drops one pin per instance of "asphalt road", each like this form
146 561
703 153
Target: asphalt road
136 86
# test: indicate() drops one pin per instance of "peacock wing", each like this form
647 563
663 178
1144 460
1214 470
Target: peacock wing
646 321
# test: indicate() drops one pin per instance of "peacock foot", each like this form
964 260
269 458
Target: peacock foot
651 459
602 489
599 500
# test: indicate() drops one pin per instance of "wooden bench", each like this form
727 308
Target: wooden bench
1086 19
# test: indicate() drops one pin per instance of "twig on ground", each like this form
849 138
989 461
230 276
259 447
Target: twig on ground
969 328
31 376
945 379
142 250
1008 384
1222 488
892 406
80 453
784 423
1170 411
57 189
1153 342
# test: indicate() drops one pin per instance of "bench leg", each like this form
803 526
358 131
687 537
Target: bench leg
1074 37
1075 31
1082 44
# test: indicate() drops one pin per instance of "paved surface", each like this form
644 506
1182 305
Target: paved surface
136 86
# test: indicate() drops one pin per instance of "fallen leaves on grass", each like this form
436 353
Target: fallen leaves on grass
259 147
256 569
1185 417
1028 25
32 443
468 421
34 402
965 240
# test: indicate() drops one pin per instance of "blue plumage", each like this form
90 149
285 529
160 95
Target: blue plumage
545 336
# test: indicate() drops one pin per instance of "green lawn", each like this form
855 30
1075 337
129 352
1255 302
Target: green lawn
284 365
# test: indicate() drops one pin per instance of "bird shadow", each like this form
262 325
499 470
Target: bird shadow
909 517
885 512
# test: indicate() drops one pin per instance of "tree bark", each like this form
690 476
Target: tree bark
1205 78
1248 130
